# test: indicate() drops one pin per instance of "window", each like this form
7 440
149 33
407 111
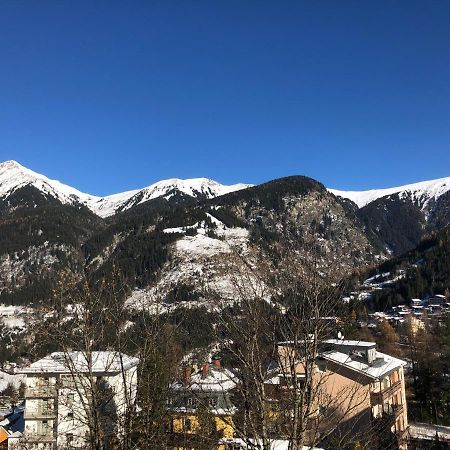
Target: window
187 425
44 428
191 402
67 381
70 399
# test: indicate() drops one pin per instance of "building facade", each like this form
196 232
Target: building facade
201 407
64 391
351 377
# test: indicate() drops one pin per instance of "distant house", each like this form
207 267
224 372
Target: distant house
60 389
437 301
200 404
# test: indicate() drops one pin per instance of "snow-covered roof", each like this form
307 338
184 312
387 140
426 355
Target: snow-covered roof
275 444
216 380
102 362
380 367
427 431
350 343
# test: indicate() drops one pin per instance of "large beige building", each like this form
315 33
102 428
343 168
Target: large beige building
351 377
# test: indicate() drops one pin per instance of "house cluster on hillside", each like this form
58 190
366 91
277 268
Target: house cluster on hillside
414 314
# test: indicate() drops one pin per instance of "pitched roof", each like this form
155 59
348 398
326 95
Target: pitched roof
68 362
216 380
381 366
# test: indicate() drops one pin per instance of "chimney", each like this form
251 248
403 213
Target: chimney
187 372
216 362
205 370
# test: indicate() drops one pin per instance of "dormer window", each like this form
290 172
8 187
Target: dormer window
191 402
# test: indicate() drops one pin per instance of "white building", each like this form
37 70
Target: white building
63 390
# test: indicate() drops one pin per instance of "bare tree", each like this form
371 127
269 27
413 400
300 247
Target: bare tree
85 321
274 332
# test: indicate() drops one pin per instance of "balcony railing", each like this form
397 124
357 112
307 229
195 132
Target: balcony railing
40 414
41 392
398 410
378 398
36 437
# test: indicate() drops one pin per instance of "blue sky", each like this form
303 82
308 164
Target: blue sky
112 95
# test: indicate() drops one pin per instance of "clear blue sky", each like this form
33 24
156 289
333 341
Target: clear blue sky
113 95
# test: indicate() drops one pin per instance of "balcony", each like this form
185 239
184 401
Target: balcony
36 437
43 414
41 392
398 410
378 398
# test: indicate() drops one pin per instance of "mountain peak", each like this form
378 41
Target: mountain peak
11 164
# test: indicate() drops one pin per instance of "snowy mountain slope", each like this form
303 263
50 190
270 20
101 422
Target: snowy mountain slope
14 176
198 258
202 188
399 218
421 192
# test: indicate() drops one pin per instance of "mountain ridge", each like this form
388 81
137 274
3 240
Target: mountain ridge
434 188
14 176
104 206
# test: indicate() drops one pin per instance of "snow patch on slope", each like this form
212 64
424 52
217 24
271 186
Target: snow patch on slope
200 260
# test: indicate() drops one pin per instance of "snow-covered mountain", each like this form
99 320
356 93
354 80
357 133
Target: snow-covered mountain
421 193
194 187
14 176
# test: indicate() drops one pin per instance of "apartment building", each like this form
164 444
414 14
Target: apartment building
61 390
353 377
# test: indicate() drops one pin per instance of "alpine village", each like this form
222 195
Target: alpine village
191 315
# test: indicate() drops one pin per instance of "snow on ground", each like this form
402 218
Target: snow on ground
203 261
15 316
201 245
13 176
6 378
